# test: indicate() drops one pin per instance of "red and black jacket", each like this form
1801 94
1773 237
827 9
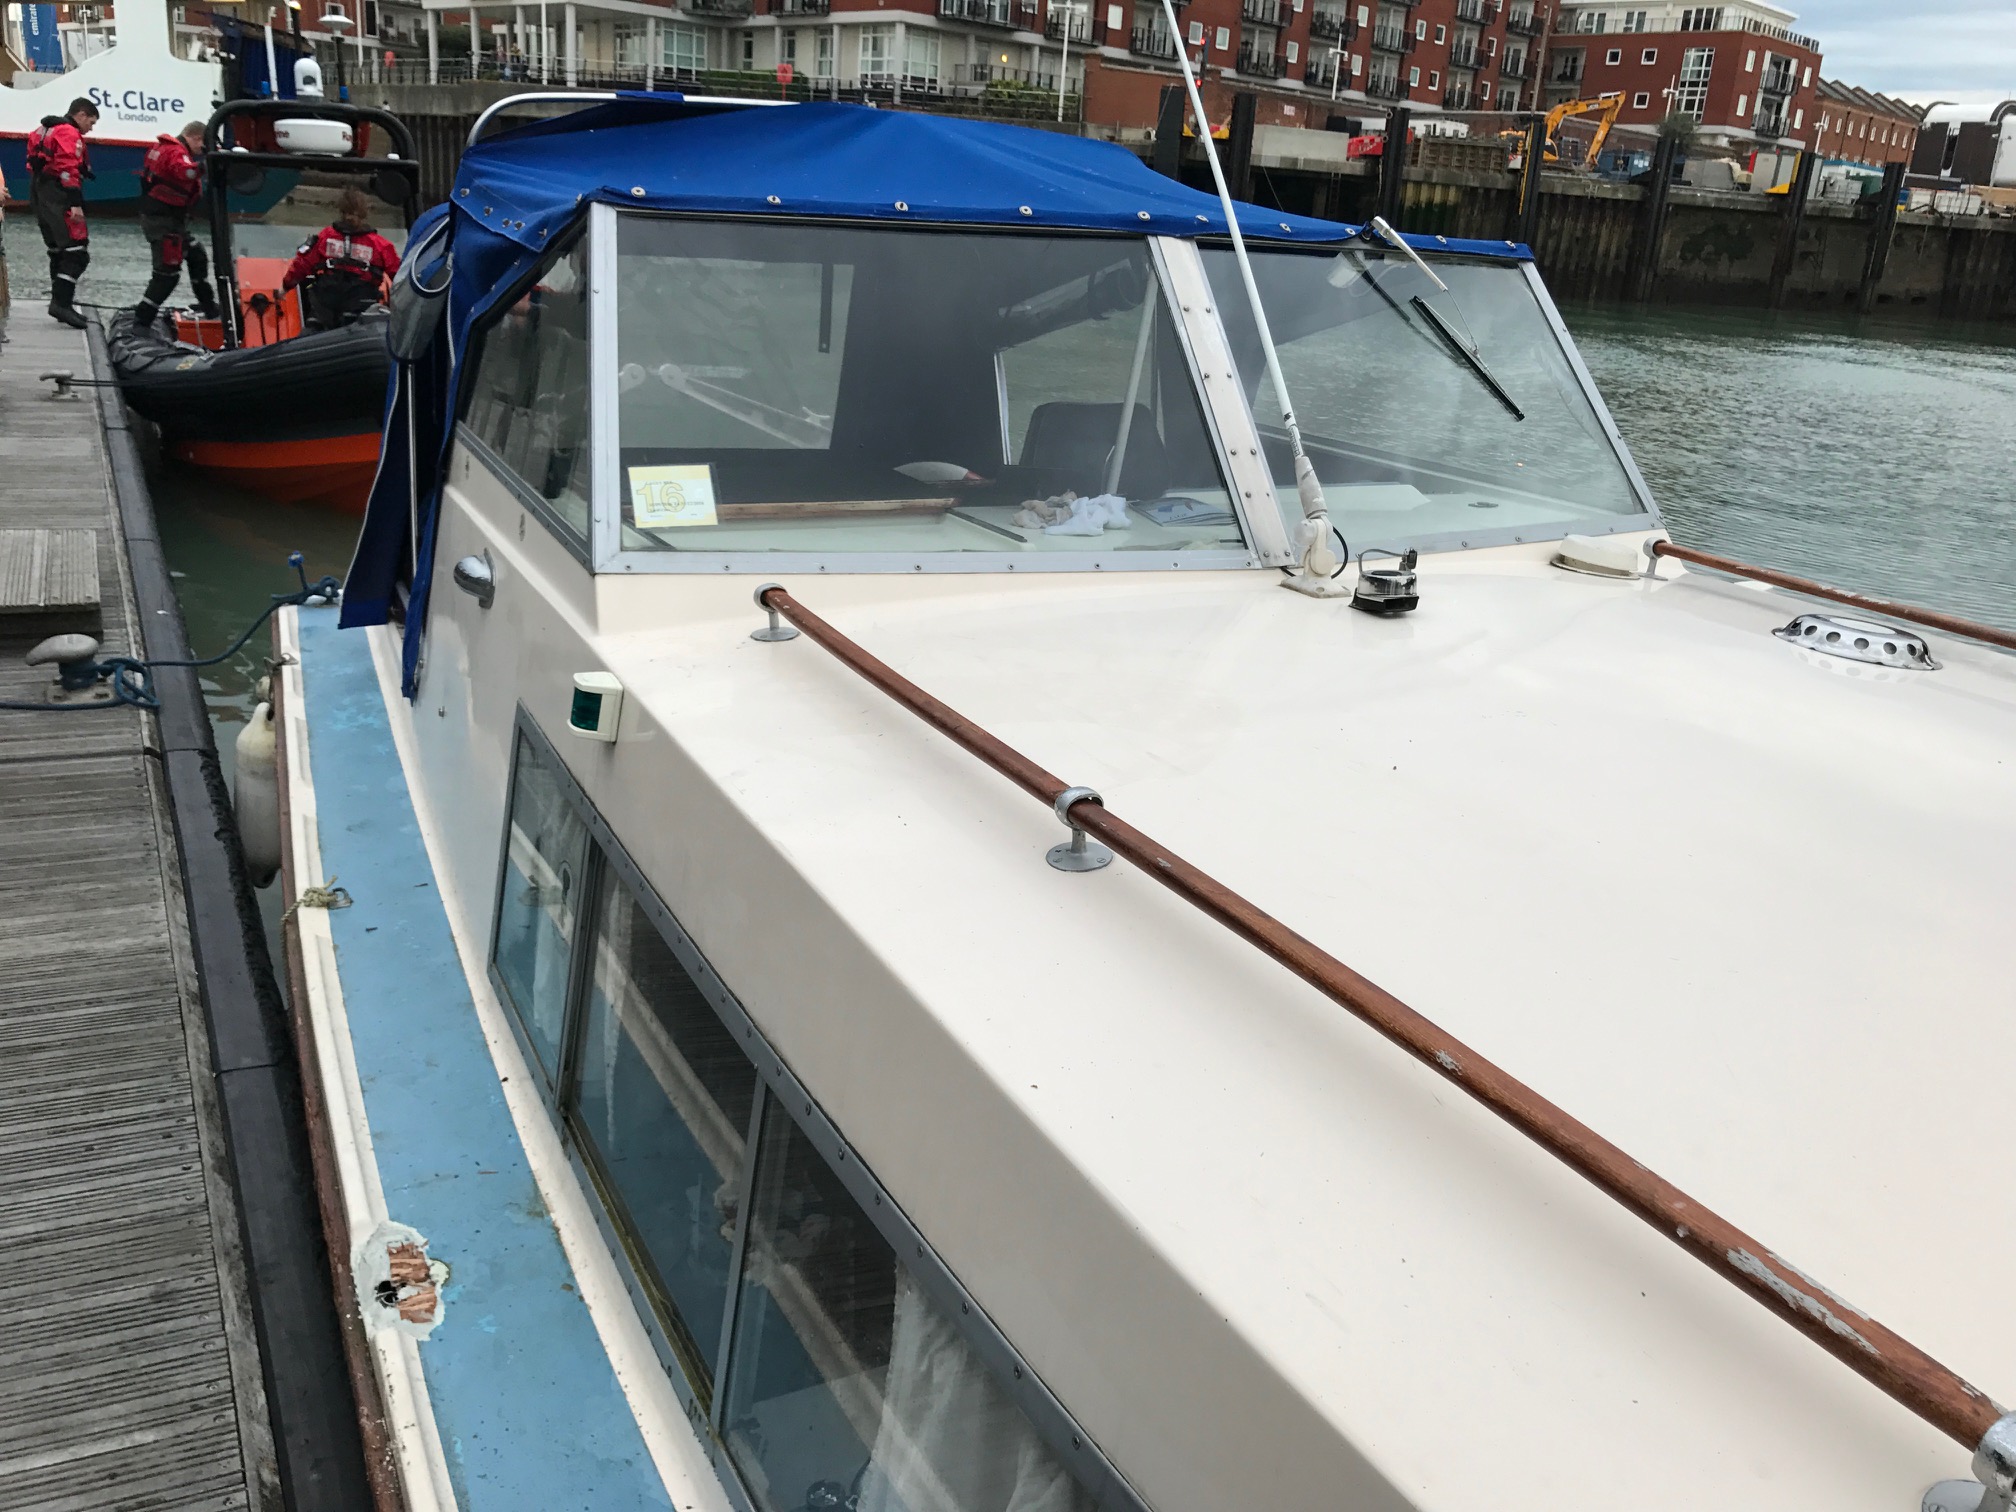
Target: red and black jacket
56 151
355 251
170 175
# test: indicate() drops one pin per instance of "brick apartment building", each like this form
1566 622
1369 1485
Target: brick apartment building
1301 57
1858 126
1738 69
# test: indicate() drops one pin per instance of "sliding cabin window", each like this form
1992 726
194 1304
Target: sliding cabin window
545 873
850 1387
662 1100
835 1371
527 402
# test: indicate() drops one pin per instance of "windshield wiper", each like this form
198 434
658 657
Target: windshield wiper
1467 355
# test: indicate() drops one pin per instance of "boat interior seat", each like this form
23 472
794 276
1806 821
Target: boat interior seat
1075 442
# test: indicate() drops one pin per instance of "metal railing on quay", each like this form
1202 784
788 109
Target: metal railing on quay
1887 1360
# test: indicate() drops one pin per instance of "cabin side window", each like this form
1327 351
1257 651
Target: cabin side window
545 861
830 1367
527 403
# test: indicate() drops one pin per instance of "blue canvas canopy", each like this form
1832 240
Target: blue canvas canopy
517 194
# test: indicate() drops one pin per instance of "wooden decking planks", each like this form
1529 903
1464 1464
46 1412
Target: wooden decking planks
44 571
127 1377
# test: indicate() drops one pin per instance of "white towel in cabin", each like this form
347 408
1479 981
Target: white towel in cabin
1093 516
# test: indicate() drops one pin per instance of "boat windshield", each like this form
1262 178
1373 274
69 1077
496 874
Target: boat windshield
1427 412
819 389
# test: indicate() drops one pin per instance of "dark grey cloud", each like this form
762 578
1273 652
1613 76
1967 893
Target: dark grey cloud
1917 49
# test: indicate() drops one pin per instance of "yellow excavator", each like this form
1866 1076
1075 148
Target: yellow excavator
1608 107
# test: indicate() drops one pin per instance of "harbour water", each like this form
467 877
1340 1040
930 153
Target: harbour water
1876 455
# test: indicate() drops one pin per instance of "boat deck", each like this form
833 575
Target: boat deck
129 1374
523 1408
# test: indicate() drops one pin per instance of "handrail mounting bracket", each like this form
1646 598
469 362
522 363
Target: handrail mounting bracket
1080 853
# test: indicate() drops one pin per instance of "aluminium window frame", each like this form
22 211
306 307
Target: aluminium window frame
1514 535
607 555
1011 1372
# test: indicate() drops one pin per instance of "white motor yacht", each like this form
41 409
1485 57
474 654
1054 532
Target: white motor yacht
743 1082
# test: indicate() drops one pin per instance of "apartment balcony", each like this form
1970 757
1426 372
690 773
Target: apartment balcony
1080 27
1515 66
1261 12
1386 87
732 9
1472 10
1392 39
980 12
1459 99
1151 44
800 7
1320 72
1463 55
1525 24
1262 64
1332 26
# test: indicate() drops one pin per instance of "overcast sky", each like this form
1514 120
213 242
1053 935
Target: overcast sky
1919 50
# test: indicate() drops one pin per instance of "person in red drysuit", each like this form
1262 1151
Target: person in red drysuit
58 165
344 268
171 180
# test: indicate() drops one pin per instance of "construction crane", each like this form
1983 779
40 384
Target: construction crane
1608 106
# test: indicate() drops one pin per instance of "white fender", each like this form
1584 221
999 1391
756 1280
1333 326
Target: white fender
255 798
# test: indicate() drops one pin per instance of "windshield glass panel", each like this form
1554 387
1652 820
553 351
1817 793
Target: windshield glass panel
1426 412
833 389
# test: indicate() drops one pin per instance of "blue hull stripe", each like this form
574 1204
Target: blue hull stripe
527 1403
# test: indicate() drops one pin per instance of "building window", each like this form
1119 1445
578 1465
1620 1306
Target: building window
1364 16
921 54
1196 32
748 52
1750 61
1485 88
1420 31
1634 21
878 51
1441 35
1641 100
1614 56
822 54
682 49
1224 39
1742 106
1434 78
1701 18
1798 119
1649 56
1357 64
1490 47
1809 77
1413 78
1594 21
1690 89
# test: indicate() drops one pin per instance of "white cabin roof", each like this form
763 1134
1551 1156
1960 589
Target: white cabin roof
1738 907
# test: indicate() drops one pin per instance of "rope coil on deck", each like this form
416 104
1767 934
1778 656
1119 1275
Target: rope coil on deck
1892 1363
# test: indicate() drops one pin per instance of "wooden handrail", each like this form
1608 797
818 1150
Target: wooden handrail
1893 1364
1951 623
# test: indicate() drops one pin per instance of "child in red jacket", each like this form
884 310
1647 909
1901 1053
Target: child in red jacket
344 268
